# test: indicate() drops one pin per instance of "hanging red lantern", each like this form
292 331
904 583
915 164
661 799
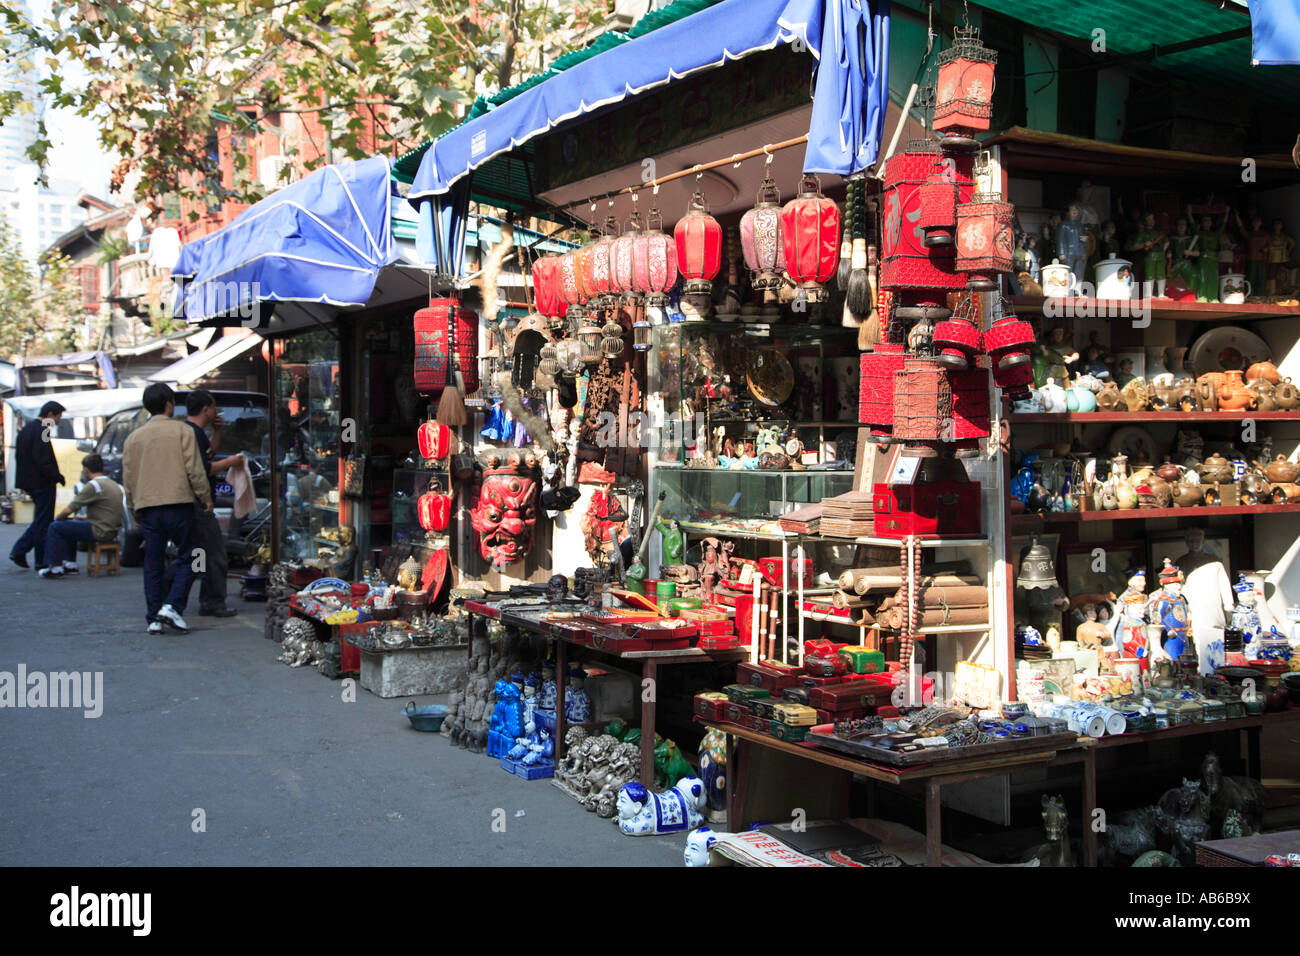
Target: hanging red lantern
595 266
760 237
964 96
1008 341
810 235
654 261
434 508
569 290
620 257
938 198
699 247
985 247
441 328
434 440
546 286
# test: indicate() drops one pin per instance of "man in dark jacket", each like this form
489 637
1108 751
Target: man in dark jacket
37 473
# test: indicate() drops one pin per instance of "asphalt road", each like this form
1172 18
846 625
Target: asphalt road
210 727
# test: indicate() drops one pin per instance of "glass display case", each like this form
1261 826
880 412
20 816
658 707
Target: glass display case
742 502
408 485
315 525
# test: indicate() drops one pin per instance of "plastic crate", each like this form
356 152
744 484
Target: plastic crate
540 770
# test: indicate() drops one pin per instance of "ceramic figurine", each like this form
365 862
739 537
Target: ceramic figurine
577 705
1279 256
642 813
1208 593
1241 797
1186 254
1207 265
550 692
670 547
1168 608
1151 243
1072 244
1051 357
1131 618
698 844
1257 244
507 722
713 771
1245 612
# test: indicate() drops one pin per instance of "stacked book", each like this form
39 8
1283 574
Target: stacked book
848 515
803 520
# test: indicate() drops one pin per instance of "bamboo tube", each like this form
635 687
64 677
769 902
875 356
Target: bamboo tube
935 617
892 580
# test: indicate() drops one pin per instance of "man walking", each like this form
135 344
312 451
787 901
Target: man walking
201 411
101 496
163 474
37 473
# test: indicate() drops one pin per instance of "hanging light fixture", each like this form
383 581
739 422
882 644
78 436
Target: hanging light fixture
589 337
699 246
810 235
546 289
760 237
985 247
641 330
620 258
611 340
595 267
654 266
938 202
964 97
570 293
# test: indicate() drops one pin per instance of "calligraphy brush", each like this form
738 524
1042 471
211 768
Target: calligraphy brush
846 238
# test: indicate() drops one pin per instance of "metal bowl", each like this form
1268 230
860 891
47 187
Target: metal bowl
427 718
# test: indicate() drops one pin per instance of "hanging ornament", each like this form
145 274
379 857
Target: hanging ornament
760 237
570 291
654 266
436 326
611 341
620 258
546 287
595 270
985 247
938 203
810 235
964 98
699 247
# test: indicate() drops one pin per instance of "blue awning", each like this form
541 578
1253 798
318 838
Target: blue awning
1275 32
322 239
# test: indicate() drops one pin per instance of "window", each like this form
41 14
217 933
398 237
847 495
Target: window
90 296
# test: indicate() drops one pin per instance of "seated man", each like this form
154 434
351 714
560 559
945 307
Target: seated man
102 499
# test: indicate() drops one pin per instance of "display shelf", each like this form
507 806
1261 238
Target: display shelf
979 541
755 472
1160 309
1143 514
725 532
933 630
1084 418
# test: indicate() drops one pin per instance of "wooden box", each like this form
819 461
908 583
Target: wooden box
863 660
744 693
857 695
736 713
790 732
774 677
711 705
930 509
796 715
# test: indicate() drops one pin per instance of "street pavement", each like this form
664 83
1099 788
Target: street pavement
209 727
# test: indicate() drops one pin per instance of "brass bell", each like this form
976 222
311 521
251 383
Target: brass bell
1037 570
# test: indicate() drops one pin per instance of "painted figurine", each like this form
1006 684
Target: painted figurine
1131 617
1279 256
1051 357
1245 612
550 692
1072 244
1168 608
642 813
698 843
713 771
577 705
1207 264
1151 242
671 541
1257 243
1185 251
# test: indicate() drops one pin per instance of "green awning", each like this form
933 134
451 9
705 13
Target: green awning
1169 35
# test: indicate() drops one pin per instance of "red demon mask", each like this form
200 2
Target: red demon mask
505 511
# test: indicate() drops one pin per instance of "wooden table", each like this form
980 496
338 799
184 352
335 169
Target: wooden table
932 777
650 662
1088 747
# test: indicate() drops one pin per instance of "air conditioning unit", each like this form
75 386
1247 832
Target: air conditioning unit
275 171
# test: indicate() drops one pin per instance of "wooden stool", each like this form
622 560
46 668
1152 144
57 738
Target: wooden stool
102 558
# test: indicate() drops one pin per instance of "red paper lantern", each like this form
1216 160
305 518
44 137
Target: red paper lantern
433 508
760 238
984 240
434 440
595 265
810 236
699 247
938 196
440 327
570 292
654 261
1008 341
964 96
546 286
620 258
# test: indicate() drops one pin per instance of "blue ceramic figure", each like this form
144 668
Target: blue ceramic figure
577 705
713 769
532 745
642 813
507 721
698 843
1168 608
550 693
1072 244
1245 615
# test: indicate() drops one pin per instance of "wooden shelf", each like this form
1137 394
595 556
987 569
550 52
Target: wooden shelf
1173 418
1144 514
1161 309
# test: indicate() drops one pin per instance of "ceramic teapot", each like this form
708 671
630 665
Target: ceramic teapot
1079 398
1215 470
1254 489
1185 395
1165 397
1265 399
1234 395
1186 494
1286 395
1207 395
1053 397
1263 372
1108 399
1169 471
1282 470
1286 492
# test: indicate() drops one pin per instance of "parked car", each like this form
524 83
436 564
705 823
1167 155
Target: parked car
247 418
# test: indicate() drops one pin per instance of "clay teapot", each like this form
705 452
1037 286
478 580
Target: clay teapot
1282 470
1285 493
1234 395
1135 395
1169 471
1263 372
1265 400
1186 494
1152 490
1215 470
1164 397
1108 399
1254 489
1185 394
1207 391
1286 395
